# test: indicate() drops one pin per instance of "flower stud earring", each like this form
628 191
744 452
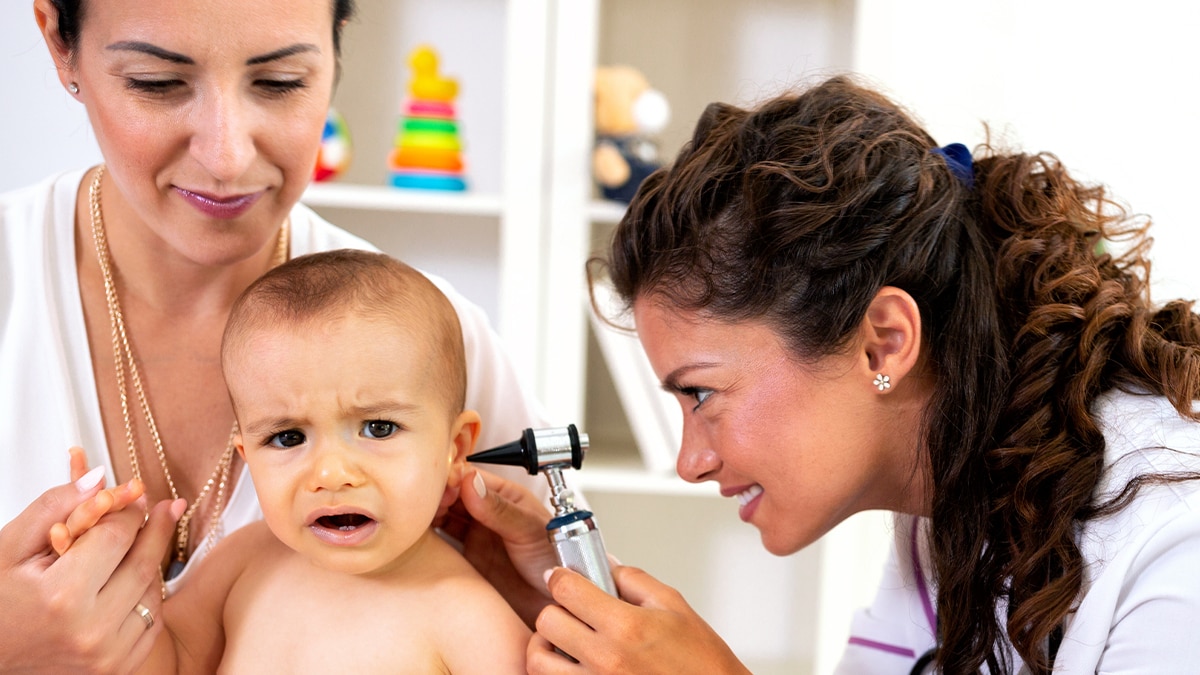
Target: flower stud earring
73 88
882 381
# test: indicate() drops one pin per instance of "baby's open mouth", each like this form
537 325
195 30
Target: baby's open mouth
344 522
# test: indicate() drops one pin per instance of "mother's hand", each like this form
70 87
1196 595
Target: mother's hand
76 612
652 630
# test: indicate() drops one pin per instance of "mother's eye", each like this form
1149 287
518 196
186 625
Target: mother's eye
152 86
278 88
379 428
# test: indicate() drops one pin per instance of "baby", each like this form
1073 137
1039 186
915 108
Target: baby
347 377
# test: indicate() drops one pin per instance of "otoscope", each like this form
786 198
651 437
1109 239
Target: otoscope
573 531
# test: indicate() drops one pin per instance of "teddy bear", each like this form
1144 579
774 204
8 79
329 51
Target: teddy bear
628 114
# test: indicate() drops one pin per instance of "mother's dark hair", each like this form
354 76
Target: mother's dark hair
798 212
71 14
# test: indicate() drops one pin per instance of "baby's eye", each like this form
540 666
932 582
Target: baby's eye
379 428
287 439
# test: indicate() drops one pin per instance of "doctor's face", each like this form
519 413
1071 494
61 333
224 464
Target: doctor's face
208 114
799 445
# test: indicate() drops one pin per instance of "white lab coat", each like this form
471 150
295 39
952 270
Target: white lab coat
1141 592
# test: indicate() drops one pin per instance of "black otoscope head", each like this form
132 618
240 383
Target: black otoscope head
538 449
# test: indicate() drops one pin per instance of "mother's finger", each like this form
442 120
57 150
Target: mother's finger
140 570
140 626
95 555
24 537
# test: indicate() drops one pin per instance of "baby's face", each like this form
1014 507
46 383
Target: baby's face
348 437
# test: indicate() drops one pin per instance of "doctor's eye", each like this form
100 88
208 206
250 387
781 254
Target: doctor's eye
287 439
379 428
699 394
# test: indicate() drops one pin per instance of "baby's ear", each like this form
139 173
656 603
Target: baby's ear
237 444
464 433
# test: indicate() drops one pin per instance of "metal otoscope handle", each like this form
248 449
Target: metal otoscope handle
572 531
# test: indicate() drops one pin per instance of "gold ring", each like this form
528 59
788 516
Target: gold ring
144 612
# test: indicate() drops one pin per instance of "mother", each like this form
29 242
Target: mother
115 283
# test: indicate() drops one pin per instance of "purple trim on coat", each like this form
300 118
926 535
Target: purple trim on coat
882 646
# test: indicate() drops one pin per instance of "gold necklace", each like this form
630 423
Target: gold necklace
123 358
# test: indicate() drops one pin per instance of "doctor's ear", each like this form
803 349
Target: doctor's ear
891 337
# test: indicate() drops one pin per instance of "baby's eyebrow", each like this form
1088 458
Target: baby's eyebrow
380 408
273 424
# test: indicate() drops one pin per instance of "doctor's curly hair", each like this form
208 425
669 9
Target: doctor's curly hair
797 213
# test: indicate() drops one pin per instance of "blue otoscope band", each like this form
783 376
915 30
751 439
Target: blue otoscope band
958 159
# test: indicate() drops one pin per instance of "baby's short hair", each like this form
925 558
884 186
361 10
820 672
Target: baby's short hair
329 284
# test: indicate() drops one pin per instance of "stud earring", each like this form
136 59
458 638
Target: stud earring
73 88
882 381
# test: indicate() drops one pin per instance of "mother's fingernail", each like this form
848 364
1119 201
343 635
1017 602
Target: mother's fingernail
90 479
177 508
480 488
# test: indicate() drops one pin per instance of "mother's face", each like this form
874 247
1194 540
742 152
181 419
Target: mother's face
208 112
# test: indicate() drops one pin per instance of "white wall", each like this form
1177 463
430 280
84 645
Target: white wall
1109 87
42 129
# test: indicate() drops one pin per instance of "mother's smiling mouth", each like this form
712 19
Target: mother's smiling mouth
219 206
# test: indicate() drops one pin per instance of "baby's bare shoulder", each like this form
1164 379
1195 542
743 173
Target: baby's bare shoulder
464 609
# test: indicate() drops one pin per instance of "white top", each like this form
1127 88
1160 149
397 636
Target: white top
1141 592
48 399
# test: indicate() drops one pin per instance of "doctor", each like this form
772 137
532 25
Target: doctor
853 318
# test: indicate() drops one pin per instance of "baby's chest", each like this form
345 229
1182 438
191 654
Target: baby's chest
277 627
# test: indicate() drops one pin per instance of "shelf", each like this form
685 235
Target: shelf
605 211
382 198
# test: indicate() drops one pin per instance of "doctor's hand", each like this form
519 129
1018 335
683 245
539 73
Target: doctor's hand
652 630
504 537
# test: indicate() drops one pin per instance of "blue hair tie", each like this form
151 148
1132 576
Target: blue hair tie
958 159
